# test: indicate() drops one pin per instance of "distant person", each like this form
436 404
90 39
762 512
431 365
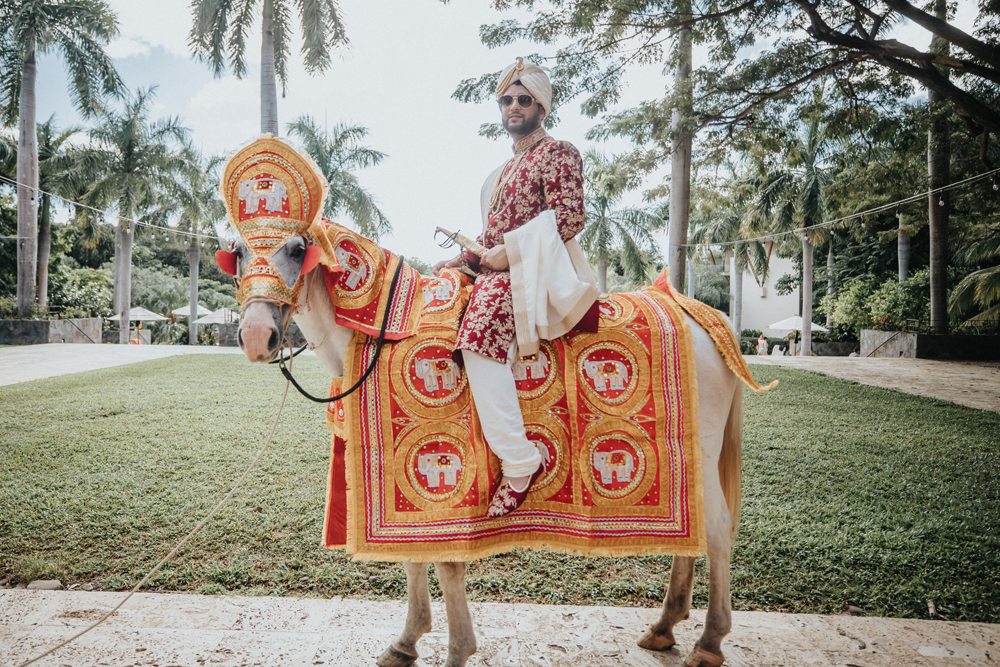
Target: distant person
761 346
856 353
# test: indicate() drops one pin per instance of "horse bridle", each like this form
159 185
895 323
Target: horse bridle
371 367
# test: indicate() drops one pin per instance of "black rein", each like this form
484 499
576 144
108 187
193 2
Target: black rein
378 350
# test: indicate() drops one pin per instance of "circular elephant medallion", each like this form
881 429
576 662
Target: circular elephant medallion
617 465
436 468
431 375
439 293
609 372
359 270
534 376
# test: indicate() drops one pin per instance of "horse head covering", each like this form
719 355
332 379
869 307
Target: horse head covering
272 193
531 77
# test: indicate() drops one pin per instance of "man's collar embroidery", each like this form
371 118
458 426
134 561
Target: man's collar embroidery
524 143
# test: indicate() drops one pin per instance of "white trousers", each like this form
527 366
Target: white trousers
495 396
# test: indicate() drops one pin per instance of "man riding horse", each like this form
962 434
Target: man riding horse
544 174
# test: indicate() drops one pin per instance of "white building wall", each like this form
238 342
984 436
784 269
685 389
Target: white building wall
764 306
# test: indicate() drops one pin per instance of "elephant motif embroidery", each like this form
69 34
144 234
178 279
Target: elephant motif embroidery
438 374
617 464
355 270
535 370
439 290
605 373
263 189
439 468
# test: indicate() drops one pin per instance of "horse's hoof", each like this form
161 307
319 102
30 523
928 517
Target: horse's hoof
454 661
393 657
653 640
699 657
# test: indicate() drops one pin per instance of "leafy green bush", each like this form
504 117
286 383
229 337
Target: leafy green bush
863 304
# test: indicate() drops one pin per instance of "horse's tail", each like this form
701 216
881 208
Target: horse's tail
730 460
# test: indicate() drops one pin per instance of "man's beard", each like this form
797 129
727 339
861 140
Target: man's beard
527 126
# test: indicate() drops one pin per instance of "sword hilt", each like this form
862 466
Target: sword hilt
463 241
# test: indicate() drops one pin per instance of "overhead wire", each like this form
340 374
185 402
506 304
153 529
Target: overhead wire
827 223
133 221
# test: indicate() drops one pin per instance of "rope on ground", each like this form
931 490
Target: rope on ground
180 544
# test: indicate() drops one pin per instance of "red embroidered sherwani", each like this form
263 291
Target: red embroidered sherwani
543 174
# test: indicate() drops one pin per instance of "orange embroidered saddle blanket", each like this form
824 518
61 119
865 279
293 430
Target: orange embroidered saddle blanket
614 415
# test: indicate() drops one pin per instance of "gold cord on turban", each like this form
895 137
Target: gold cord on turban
532 77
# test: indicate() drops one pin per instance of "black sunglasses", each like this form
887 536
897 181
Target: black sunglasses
524 101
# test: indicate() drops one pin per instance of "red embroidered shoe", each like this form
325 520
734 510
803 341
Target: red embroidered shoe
507 499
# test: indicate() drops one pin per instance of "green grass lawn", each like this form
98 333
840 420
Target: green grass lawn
852 495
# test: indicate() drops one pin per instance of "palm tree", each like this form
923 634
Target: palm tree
199 206
55 176
723 226
133 163
794 198
78 30
980 290
218 36
338 154
610 233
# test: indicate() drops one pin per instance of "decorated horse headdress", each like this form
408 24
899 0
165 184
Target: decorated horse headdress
271 193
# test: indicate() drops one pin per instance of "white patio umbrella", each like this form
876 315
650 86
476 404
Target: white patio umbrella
793 324
183 311
141 314
221 316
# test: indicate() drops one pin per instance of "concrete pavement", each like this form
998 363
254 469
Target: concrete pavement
21 363
190 630
972 384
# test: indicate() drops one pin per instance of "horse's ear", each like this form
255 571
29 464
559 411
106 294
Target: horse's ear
226 261
313 254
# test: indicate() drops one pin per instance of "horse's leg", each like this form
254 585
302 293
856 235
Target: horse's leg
403 651
707 651
461 637
720 529
719 420
676 605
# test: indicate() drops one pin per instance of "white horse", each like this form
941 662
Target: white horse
720 418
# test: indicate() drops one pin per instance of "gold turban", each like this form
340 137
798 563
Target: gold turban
532 77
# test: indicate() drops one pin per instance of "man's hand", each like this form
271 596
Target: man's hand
453 263
496 258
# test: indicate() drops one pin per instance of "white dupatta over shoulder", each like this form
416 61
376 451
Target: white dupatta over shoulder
552 284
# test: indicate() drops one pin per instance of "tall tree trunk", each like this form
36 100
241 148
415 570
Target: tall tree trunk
807 291
691 277
602 276
27 189
116 298
680 174
268 82
124 277
44 248
938 163
903 251
830 262
736 280
194 258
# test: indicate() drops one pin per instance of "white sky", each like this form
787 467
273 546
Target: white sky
405 60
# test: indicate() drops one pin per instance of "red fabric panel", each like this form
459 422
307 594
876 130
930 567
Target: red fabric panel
336 524
590 321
